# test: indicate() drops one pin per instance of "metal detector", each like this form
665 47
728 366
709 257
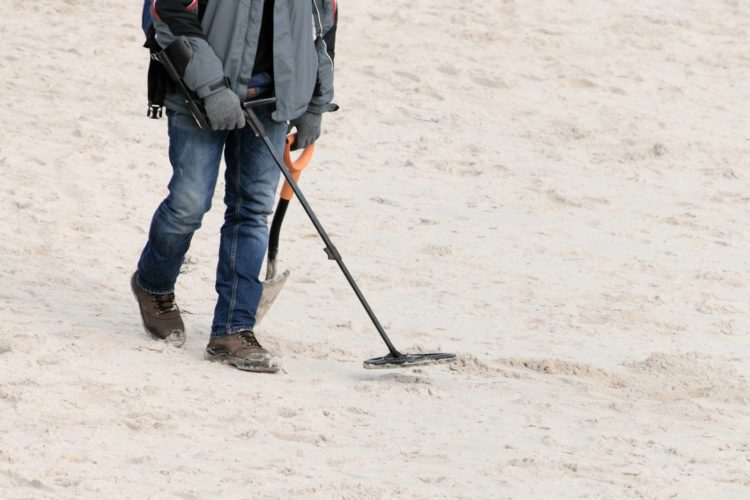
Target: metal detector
394 359
175 59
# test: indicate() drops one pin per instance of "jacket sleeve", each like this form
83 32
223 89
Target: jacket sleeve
204 73
325 20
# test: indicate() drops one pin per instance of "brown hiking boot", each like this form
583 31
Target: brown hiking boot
160 315
243 351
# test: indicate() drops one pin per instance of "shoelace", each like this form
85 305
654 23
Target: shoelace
165 303
248 338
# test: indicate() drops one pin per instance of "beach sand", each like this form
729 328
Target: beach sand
557 191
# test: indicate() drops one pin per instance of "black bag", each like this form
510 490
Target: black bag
159 82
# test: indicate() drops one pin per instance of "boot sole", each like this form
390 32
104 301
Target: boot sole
176 338
260 363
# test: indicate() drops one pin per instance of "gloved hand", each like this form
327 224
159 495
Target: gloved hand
308 129
224 110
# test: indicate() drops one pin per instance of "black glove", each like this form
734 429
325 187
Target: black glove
224 110
308 129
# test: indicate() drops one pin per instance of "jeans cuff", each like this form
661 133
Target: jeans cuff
215 334
150 290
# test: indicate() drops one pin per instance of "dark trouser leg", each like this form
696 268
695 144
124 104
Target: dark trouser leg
195 155
252 177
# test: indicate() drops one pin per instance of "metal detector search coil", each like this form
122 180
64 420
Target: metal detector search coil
408 360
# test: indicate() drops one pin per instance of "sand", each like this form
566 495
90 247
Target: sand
555 190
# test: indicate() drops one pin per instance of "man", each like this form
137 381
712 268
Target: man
238 48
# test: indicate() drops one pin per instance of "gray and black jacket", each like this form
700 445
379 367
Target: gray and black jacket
225 40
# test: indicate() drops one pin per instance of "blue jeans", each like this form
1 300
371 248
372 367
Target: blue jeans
251 177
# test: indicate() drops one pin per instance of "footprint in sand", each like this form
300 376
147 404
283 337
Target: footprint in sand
494 83
582 83
396 382
437 250
448 70
408 76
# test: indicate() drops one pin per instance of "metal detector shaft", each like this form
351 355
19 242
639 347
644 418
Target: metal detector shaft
330 249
